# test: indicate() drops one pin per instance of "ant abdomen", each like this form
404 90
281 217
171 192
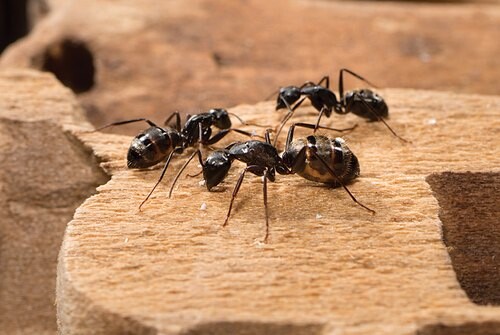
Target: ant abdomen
370 98
320 154
151 147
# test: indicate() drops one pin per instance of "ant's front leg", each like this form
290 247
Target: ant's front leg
287 116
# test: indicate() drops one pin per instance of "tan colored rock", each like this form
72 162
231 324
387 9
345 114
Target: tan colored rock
45 173
154 57
330 267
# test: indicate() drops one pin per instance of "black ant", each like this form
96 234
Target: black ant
317 158
364 103
156 144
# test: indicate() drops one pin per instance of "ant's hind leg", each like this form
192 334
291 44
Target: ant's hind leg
312 126
120 123
332 173
221 134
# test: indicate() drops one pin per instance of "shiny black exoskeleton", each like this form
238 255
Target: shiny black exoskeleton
320 158
317 158
157 144
364 103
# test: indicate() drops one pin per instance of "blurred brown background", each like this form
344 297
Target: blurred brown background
127 59
146 58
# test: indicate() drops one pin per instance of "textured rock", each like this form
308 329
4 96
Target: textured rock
45 173
154 57
329 267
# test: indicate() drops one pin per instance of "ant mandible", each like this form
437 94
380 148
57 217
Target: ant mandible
156 143
317 158
364 103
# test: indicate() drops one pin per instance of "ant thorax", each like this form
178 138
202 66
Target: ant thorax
331 151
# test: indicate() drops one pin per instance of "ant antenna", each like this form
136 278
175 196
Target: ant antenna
161 177
246 123
182 169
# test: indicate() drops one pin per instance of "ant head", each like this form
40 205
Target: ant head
290 94
221 118
216 167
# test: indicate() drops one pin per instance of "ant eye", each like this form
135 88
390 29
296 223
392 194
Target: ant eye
311 139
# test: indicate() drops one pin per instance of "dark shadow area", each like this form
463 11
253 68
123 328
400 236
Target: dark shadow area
249 328
470 212
13 21
470 328
72 63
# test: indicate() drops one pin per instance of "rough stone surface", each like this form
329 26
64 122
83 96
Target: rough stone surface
329 267
154 57
45 173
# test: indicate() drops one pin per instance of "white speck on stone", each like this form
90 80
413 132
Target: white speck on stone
318 216
425 57
199 166
259 244
203 207
201 182
126 240
431 122
253 133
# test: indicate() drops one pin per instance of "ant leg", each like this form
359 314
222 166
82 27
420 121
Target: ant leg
325 79
246 123
195 175
289 137
119 123
287 117
221 134
236 189
266 210
268 136
332 173
341 80
379 118
300 160
177 120
197 152
312 126
319 119
310 83
176 150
